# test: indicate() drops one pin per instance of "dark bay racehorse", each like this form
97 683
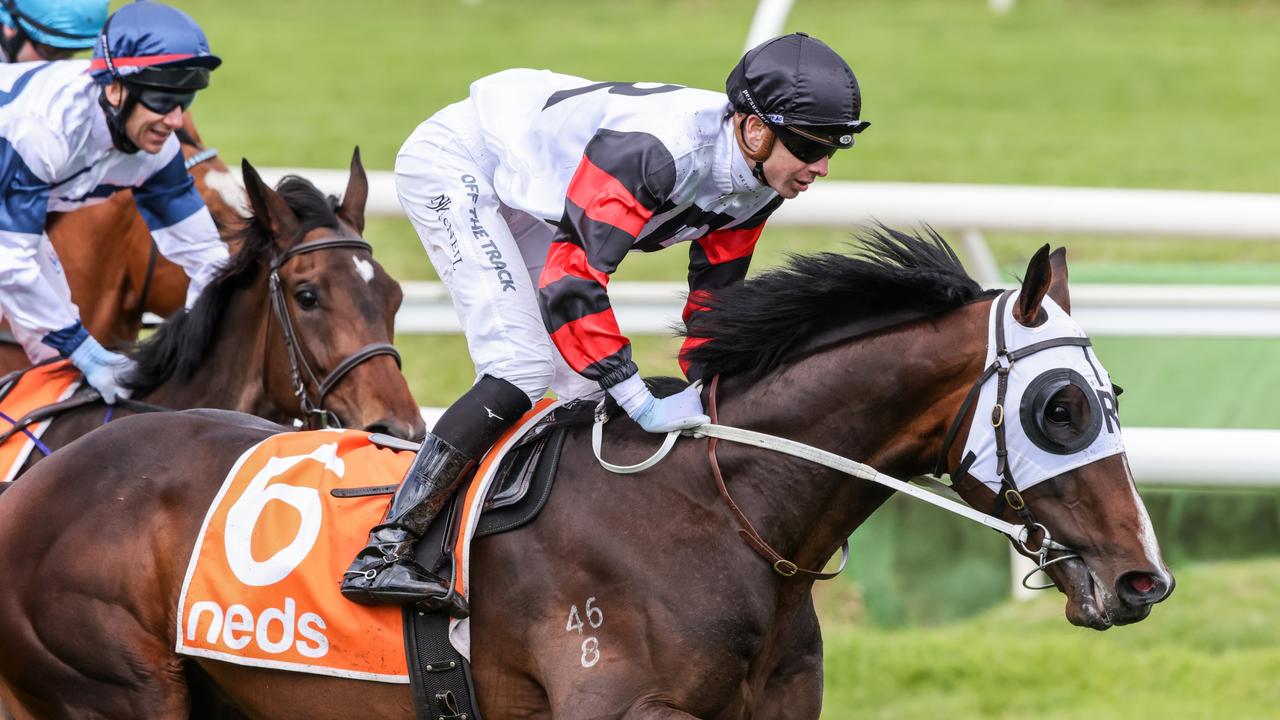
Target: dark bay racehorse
676 617
330 321
112 266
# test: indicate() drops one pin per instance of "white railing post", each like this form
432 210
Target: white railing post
1020 565
981 262
770 16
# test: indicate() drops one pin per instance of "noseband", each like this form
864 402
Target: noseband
315 415
1000 368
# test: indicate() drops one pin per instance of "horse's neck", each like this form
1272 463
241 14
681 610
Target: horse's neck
231 377
885 401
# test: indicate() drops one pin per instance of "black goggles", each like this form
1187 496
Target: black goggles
164 101
810 147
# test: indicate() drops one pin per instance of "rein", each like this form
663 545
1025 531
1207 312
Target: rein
747 532
314 413
54 409
1020 534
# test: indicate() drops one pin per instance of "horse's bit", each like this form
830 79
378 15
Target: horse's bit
314 413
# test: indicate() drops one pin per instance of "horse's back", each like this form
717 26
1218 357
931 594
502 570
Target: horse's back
141 479
94 542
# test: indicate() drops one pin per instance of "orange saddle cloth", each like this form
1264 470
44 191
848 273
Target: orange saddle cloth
262 585
40 386
261 588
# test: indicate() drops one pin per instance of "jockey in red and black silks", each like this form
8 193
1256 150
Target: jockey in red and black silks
529 193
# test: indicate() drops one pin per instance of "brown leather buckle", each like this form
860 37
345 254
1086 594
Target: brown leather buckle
785 568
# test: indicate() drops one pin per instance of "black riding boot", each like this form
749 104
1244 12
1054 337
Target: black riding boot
385 573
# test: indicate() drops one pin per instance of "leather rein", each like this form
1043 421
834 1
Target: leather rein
315 415
747 532
1020 534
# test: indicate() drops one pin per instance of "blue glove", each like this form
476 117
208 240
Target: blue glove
660 415
103 369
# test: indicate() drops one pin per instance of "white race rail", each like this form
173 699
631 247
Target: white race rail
1176 457
1170 311
834 203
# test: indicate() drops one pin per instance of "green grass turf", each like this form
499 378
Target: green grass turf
1145 93
1211 651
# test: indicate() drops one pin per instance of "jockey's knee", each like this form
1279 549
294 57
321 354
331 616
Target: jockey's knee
532 376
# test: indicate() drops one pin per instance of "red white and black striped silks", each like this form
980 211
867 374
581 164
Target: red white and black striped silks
719 259
622 180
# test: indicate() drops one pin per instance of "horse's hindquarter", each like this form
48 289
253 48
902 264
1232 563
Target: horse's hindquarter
94 544
630 594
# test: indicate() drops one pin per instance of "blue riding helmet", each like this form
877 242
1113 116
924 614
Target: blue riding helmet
159 54
149 44
68 24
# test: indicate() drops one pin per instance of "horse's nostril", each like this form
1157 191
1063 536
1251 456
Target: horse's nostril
1142 588
1142 583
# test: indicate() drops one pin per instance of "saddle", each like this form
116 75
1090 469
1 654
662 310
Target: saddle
439 674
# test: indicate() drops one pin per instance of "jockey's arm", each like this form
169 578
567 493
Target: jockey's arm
716 260
622 179
33 290
181 224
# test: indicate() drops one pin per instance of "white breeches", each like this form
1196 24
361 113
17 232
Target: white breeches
488 255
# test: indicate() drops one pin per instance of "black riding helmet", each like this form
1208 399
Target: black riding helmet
803 91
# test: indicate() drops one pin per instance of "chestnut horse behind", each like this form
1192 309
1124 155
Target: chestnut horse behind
297 325
111 263
867 357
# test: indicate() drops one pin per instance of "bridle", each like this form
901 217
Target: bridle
315 415
1000 367
1021 535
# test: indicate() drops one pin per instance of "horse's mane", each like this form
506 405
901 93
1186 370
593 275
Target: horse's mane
181 345
816 301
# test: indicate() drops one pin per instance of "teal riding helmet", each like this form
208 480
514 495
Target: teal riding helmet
68 24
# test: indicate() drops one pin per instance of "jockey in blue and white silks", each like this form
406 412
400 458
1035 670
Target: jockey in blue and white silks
71 134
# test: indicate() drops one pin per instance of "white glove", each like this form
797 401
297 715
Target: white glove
103 369
660 415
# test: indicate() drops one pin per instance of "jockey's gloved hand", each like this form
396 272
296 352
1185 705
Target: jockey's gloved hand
659 415
103 369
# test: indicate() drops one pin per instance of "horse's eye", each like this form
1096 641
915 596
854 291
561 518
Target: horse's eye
1058 414
307 298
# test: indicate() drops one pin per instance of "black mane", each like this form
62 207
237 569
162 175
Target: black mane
181 345
815 301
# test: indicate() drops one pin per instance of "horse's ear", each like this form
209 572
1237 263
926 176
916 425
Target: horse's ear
270 211
353 200
1034 285
1058 283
